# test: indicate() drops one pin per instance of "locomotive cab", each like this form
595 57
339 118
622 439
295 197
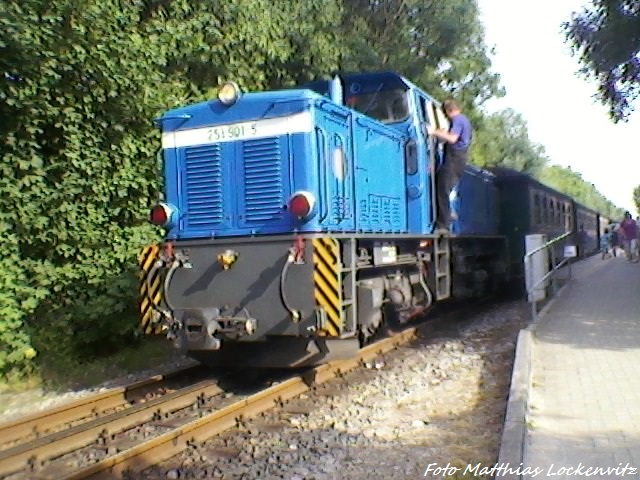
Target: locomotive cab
397 103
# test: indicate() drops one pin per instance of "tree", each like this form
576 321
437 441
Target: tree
636 198
438 45
606 38
502 139
572 184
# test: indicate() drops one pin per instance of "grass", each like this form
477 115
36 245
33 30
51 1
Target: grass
57 374
148 353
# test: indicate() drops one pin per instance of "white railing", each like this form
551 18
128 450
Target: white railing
550 275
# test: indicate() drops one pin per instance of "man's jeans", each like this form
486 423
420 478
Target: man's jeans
447 178
631 248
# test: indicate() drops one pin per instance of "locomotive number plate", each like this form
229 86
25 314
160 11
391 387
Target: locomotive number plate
232 132
272 127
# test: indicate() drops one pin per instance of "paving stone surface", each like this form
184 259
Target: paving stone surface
584 397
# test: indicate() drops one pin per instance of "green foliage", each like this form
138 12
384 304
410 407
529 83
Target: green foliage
76 173
502 139
80 82
636 198
18 299
438 45
606 38
571 183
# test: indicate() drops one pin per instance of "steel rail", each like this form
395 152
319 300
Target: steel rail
167 445
33 454
88 408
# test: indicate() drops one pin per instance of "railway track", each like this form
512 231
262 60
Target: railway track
27 437
133 438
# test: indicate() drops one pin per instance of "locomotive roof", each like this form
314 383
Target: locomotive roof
261 104
365 82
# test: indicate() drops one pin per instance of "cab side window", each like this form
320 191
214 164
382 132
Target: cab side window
422 108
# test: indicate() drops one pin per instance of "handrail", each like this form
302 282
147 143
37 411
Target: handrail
528 271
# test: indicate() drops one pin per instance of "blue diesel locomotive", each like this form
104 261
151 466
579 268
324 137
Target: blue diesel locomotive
300 222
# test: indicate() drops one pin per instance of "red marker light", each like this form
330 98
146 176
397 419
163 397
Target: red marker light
301 204
160 214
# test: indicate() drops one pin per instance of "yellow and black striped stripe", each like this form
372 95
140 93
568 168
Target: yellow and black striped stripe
328 283
148 299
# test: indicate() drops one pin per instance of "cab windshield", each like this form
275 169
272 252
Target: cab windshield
386 106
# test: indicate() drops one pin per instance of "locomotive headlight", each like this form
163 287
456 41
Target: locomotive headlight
227 258
229 93
163 214
301 204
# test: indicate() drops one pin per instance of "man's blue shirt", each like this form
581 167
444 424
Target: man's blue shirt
460 125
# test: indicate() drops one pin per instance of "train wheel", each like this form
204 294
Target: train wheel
369 328
392 319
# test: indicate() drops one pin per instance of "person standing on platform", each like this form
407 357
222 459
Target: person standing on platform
629 230
605 243
614 238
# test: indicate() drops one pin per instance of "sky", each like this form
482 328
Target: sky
539 75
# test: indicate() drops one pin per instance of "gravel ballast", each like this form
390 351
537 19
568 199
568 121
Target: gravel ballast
437 402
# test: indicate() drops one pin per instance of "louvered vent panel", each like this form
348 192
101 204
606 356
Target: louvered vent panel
263 185
204 186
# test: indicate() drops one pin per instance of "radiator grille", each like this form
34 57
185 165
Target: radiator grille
263 183
204 186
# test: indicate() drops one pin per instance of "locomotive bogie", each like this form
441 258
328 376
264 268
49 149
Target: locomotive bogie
479 266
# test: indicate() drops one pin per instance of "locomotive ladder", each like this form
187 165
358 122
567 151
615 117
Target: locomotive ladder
442 257
349 285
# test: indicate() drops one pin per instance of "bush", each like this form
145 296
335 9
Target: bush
80 83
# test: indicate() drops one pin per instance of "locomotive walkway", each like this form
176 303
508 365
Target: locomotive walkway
575 395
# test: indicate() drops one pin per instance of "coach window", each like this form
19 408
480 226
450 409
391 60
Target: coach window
559 213
536 209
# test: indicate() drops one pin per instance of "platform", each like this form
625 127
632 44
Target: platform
575 395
